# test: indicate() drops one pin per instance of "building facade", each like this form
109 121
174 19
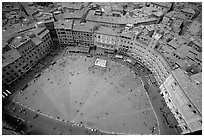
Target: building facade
83 33
26 49
106 38
64 32
184 100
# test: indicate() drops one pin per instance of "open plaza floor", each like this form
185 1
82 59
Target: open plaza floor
110 99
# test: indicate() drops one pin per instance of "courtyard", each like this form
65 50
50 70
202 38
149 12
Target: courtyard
110 99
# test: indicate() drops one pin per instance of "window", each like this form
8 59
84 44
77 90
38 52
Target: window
194 112
7 80
7 73
189 105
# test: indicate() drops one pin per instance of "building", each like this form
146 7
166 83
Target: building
183 53
176 20
48 20
77 15
26 48
144 52
43 39
83 33
195 29
118 22
188 12
106 38
64 32
71 6
13 66
125 42
184 98
106 21
77 49
161 5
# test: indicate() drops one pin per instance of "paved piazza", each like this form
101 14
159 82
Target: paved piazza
110 99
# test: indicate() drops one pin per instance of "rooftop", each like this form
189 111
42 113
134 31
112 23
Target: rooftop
63 24
117 7
108 31
177 42
188 10
10 56
185 51
71 5
87 27
163 4
45 17
197 78
195 27
119 20
175 14
73 15
36 40
40 32
24 35
18 40
191 89
13 30
127 33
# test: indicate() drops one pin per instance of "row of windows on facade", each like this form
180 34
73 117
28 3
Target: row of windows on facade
106 41
64 36
106 46
158 71
189 109
79 41
158 7
76 37
9 74
31 47
74 33
113 25
46 37
105 24
31 50
105 37
18 65
140 55
130 43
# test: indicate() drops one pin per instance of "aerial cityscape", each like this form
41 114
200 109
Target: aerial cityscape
101 68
